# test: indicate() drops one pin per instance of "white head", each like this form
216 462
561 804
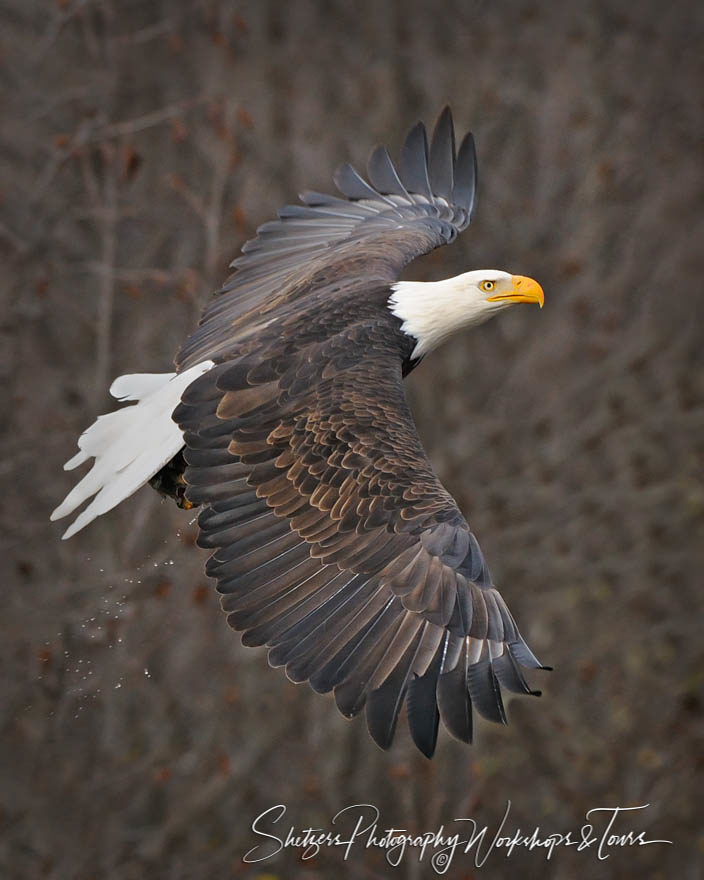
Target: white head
432 310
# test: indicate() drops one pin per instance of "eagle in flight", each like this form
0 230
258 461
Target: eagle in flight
333 541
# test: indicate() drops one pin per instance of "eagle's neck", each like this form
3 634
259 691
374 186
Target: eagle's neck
430 311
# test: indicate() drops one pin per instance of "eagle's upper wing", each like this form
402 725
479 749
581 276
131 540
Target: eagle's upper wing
371 234
335 543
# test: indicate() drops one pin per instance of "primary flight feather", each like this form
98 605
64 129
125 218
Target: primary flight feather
334 543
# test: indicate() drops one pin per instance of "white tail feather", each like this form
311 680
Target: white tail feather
135 386
130 445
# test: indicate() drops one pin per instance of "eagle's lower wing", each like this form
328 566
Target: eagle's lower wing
370 234
336 545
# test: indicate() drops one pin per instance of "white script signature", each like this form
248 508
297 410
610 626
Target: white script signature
358 826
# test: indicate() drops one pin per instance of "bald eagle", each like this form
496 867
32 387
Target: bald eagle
333 541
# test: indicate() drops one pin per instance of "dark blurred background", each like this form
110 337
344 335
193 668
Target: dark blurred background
142 143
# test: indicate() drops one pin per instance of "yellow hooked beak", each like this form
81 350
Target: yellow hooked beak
525 290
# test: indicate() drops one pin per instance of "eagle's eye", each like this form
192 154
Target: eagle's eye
487 285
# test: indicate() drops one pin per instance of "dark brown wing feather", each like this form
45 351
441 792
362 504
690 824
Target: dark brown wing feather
369 235
334 542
